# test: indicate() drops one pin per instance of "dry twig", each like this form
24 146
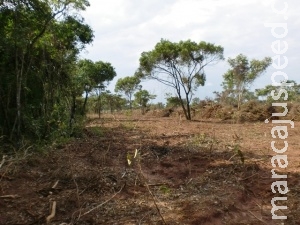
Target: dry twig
55 184
10 196
3 161
232 157
257 217
98 206
152 195
248 177
52 215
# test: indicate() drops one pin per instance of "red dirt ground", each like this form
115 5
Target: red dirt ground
185 172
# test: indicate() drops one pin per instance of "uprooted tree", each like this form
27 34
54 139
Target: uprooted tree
180 66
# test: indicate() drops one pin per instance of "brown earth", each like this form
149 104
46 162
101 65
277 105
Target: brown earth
184 172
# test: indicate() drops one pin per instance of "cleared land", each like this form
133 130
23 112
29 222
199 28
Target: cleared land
197 172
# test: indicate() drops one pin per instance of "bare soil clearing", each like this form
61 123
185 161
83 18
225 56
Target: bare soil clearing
185 172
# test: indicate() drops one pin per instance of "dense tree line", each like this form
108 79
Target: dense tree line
41 76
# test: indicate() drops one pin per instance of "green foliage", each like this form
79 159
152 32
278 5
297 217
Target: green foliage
112 102
97 131
128 113
227 98
196 101
39 45
104 72
203 140
158 105
142 97
242 74
291 93
165 189
92 76
128 85
239 153
174 101
180 66
108 101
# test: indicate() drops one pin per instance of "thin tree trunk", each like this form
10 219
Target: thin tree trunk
130 102
239 101
188 107
85 102
99 106
188 111
73 111
111 106
18 99
17 124
183 107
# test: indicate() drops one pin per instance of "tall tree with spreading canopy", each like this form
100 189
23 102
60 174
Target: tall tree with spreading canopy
84 72
180 66
94 77
105 72
128 85
242 74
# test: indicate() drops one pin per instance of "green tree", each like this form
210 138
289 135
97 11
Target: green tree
117 102
180 66
156 106
85 71
291 92
242 74
142 98
173 101
128 85
196 101
109 101
224 97
112 101
94 77
104 73
227 97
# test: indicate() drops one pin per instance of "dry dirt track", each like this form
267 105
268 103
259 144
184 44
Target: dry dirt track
184 173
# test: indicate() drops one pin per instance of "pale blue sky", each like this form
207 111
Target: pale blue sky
125 28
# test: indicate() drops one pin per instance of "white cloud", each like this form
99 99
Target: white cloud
126 28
